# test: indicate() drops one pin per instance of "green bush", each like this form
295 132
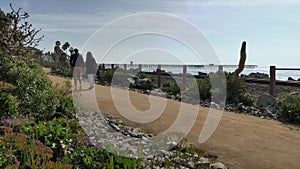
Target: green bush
235 87
289 107
247 99
203 88
107 75
142 75
8 105
34 91
62 71
171 87
66 107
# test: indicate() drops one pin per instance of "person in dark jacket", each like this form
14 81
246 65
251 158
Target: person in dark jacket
76 62
91 68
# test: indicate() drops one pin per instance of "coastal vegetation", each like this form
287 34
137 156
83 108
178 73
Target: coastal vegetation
38 127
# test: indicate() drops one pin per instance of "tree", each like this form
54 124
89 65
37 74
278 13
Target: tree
65 46
16 34
57 51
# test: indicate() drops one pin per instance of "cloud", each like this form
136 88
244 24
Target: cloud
236 3
80 23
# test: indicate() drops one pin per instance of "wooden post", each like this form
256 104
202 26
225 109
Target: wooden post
184 77
140 67
112 66
125 67
158 76
221 68
272 80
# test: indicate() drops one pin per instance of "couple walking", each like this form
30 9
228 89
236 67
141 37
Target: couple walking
77 63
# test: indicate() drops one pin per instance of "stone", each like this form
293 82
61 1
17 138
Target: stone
171 144
258 75
217 165
166 153
291 79
191 164
266 101
203 162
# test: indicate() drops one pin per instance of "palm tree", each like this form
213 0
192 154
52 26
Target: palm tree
57 52
65 46
57 43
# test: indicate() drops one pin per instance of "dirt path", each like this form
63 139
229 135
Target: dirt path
240 141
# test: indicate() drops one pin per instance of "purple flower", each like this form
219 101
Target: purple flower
89 141
15 159
5 122
12 117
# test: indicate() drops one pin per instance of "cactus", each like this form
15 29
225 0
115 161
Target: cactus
242 60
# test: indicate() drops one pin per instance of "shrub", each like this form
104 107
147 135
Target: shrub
203 88
142 75
234 86
289 107
8 105
247 99
34 91
107 75
171 87
146 83
62 71
66 107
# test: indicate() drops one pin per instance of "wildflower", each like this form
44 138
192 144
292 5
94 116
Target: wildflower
12 117
15 159
53 145
6 122
89 141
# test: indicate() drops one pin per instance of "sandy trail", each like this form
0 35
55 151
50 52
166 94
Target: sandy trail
240 141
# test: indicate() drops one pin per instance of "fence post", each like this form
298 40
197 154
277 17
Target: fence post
184 77
158 76
221 68
140 67
272 80
112 66
125 67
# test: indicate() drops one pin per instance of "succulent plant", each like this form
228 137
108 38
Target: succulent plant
243 56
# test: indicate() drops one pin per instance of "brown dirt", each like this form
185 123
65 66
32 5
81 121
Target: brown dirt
240 141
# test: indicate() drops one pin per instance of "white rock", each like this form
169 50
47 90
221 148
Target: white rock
218 165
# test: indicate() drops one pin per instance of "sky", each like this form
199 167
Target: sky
156 31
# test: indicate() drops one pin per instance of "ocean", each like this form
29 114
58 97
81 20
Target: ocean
176 69
280 74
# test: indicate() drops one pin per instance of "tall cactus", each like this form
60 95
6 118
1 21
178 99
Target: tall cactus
242 60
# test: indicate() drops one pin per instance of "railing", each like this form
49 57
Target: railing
273 77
